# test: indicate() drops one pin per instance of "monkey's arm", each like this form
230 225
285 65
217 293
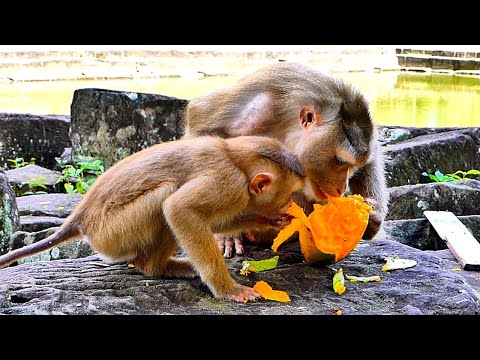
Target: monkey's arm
191 212
370 182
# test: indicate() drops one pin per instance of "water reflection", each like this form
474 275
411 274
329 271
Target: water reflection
396 98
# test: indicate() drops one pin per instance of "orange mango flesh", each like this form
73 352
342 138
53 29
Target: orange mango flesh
268 293
331 231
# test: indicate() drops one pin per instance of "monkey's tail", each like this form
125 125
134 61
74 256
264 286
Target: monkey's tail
64 233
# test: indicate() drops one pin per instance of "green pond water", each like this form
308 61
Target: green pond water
396 98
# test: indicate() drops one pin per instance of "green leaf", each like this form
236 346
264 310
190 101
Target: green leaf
446 178
258 265
473 172
69 188
438 174
339 282
455 177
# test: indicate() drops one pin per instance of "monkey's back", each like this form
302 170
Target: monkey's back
149 168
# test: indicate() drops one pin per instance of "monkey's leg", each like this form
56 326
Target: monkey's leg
370 182
160 260
139 232
188 212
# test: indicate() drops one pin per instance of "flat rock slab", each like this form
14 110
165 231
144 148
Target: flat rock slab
420 234
20 178
58 205
30 223
410 201
43 137
447 152
78 286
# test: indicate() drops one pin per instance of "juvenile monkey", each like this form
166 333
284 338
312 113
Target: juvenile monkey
323 120
180 193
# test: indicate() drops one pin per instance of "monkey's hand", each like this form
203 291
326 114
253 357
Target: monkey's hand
375 220
281 221
228 242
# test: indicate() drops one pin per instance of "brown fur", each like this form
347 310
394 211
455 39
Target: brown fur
323 120
179 193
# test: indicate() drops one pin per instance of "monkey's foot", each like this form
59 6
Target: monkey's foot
242 294
174 267
227 243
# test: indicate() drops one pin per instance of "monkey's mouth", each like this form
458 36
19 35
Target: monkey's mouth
319 194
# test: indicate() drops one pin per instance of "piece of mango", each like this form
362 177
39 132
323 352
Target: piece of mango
331 231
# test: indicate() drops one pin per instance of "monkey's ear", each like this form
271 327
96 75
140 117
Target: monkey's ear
260 183
309 116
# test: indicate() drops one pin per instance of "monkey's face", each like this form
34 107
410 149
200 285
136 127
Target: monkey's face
330 158
333 139
275 201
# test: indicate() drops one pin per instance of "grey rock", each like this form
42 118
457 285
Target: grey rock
447 152
19 179
68 250
420 234
9 215
30 223
59 205
110 125
417 233
410 201
471 277
43 137
395 134
66 157
79 286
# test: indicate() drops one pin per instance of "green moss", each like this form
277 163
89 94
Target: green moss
5 220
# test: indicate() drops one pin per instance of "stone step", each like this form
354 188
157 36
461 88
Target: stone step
439 62
43 137
410 201
24 179
439 53
446 151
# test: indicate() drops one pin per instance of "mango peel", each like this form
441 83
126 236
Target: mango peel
330 232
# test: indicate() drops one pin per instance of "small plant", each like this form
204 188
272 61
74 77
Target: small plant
82 175
456 176
20 162
34 184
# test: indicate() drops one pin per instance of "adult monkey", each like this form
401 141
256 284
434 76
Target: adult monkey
323 120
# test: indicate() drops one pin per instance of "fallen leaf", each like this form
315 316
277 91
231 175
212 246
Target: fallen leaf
339 282
131 265
457 269
258 265
364 279
338 312
268 293
397 263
